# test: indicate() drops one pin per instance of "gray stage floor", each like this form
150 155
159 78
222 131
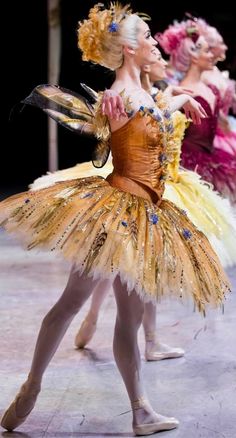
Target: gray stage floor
83 395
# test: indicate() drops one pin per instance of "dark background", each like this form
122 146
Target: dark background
24 49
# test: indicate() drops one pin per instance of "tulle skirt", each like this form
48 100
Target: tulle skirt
105 232
210 213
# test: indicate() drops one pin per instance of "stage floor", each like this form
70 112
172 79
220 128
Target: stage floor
83 394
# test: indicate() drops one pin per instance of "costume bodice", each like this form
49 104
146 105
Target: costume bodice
202 135
140 151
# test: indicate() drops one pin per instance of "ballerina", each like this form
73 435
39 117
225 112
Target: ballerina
118 228
225 137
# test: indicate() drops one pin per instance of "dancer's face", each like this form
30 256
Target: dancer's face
202 54
156 71
146 51
219 50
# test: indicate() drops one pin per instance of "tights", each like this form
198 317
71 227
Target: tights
126 352
99 294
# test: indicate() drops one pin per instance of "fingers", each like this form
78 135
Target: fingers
118 108
115 112
105 107
121 107
187 113
193 114
195 117
202 111
113 106
195 110
108 109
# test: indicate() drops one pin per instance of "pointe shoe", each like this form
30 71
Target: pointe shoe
11 420
160 351
85 333
162 423
165 423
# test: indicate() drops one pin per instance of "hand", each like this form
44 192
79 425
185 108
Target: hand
113 105
176 90
194 111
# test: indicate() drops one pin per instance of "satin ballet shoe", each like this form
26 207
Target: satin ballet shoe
85 333
160 351
162 423
11 420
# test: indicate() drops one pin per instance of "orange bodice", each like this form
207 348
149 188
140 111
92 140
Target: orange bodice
139 159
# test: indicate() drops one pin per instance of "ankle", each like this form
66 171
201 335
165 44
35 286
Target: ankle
140 403
142 411
151 337
32 383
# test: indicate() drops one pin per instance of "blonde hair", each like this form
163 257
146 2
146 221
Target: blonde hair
102 45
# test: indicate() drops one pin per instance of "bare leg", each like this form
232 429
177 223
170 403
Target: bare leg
52 330
126 352
89 324
149 318
155 350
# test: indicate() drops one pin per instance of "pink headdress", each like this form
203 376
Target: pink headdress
177 41
210 33
172 37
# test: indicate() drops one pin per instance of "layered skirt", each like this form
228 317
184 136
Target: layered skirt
105 232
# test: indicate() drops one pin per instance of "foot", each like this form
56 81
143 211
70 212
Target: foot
146 421
85 333
155 350
21 407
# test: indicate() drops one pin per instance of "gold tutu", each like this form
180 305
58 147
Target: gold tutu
105 232
209 212
124 227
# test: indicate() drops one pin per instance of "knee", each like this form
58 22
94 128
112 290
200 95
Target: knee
72 306
130 322
62 310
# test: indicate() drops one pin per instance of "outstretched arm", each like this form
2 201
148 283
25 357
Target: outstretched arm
113 105
191 107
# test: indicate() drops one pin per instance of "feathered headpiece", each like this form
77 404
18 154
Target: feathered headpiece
95 32
172 37
100 37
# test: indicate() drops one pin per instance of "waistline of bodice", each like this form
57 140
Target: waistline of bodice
134 187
